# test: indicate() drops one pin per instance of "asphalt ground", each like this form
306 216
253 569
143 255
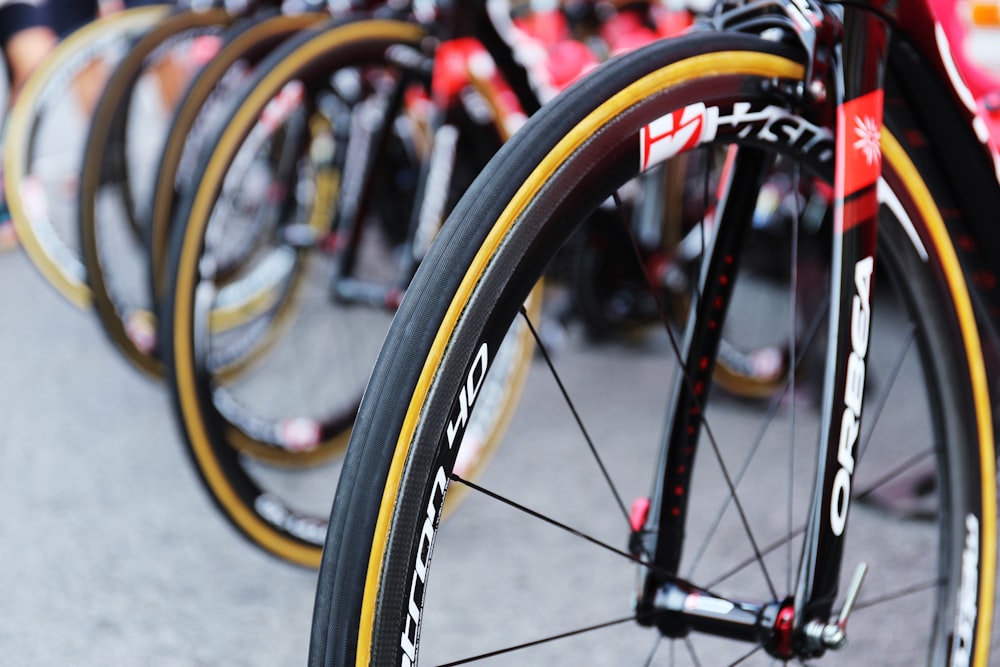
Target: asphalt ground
110 552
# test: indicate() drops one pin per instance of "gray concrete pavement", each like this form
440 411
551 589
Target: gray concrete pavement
110 552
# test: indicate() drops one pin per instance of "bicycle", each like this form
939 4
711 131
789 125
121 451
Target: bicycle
864 97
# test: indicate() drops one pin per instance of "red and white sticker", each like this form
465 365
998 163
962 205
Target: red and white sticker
696 124
859 136
674 133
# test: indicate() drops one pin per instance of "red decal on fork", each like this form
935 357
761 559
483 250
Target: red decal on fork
859 208
859 155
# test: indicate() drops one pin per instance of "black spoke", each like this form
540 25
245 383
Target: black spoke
731 488
538 642
909 464
652 651
691 651
746 657
549 520
576 415
883 397
899 594
747 562
793 354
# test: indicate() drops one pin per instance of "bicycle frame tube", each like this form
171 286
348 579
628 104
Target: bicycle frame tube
859 96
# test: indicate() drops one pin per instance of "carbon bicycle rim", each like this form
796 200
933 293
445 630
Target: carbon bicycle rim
542 594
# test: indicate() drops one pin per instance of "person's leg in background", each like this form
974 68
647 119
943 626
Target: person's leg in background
26 40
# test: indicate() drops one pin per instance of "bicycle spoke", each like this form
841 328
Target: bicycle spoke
691 651
792 342
675 345
652 651
539 642
896 472
576 415
883 397
530 512
731 488
909 464
747 562
899 594
746 657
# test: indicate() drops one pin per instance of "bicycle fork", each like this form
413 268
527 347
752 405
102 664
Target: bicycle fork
800 624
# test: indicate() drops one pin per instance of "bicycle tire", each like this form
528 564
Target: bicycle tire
372 599
250 44
228 451
106 172
49 243
125 307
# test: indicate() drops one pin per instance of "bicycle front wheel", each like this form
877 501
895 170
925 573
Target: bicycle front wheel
542 548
